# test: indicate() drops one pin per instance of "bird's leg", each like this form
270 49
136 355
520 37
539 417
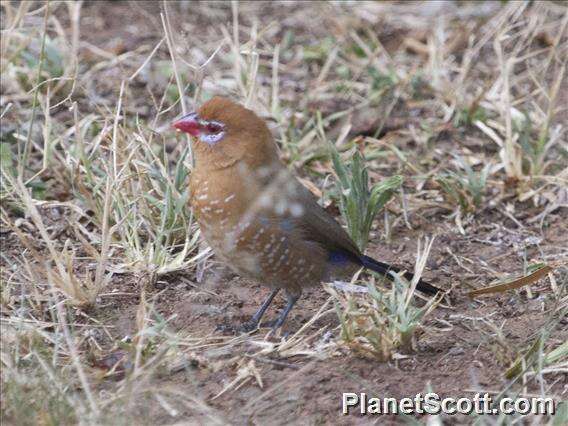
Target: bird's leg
292 299
258 314
253 322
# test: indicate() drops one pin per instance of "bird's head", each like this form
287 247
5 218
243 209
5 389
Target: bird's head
226 132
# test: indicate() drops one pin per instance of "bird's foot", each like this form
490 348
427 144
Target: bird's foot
226 328
248 326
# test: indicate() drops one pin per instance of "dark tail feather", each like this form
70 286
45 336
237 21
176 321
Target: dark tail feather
384 268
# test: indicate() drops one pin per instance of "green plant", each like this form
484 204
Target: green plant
319 51
419 87
381 81
359 203
535 144
377 324
467 116
149 210
53 66
26 371
466 188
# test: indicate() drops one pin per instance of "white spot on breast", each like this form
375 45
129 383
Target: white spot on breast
280 208
265 200
229 198
296 209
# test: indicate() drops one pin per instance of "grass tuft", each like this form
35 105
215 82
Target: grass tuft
359 202
379 325
466 187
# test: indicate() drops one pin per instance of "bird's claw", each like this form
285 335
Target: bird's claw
230 328
248 326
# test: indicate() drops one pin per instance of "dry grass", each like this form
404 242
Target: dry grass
467 107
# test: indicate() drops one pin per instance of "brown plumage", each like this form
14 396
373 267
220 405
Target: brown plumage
256 216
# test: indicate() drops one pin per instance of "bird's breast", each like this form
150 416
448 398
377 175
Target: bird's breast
256 232
220 208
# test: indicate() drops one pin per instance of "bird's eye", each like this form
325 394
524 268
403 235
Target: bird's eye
213 127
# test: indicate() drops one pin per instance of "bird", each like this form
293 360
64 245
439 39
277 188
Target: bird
257 217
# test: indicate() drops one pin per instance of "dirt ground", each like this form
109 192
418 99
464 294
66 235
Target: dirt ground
456 356
465 345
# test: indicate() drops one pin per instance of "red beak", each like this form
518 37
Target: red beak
188 124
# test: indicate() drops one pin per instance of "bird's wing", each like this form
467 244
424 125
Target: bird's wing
319 226
293 208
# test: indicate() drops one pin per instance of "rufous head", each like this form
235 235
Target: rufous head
226 132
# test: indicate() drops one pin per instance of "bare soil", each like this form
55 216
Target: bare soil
454 358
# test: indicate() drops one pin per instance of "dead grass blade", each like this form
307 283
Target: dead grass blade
518 283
